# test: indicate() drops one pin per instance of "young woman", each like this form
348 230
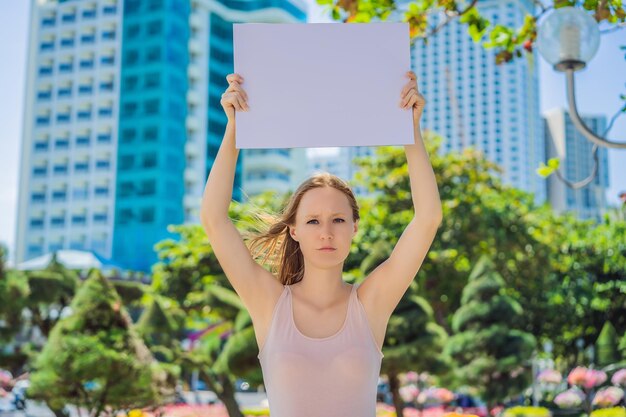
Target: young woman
320 338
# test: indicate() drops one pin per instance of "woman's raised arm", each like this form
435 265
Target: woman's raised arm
252 283
385 286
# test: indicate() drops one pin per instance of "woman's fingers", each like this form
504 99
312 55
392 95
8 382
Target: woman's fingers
236 100
408 87
408 97
238 97
241 102
234 77
236 87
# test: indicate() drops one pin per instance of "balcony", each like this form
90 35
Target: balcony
106 86
57 221
65 68
45 71
85 89
36 223
105 112
62 144
46 46
60 169
86 64
67 43
42 120
103 165
44 95
109 10
102 191
100 218
47 22
59 196
64 93
108 36
88 39
268 159
41 146
38 197
104 138
63 118
82 141
79 220
40 172
107 60
84 115
35 250
68 18
89 14
81 167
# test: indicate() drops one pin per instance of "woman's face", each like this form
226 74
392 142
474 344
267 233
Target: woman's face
324 220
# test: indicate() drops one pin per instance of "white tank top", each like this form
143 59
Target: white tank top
335 376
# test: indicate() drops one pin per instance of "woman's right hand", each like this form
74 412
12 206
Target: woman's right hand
234 98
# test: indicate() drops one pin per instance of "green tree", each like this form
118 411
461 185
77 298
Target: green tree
413 341
13 293
95 360
481 216
492 352
567 274
51 291
606 346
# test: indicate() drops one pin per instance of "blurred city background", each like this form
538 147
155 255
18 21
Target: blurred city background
111 120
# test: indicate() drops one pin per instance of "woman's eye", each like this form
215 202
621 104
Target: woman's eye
309 222
341 220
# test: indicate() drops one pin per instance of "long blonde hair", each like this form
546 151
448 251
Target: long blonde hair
274 244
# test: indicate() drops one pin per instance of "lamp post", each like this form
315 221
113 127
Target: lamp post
569 38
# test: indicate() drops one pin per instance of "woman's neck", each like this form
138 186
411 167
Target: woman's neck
322 286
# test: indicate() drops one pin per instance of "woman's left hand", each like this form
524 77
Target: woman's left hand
412 98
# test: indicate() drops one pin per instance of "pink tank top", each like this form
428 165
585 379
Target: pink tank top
335 376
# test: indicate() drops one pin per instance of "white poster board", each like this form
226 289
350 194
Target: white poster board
322 84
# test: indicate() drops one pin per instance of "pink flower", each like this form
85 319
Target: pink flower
587 378
411 376
550 376
409 393
619 377
577 375
608 397
573 397
444 395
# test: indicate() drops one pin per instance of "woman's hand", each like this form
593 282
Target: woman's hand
412 98
234 98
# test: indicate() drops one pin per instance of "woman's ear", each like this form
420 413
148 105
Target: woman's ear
292 233
356 227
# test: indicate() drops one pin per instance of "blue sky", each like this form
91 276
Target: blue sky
598 89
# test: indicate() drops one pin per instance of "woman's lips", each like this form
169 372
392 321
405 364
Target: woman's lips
327 249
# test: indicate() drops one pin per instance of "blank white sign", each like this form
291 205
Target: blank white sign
322 84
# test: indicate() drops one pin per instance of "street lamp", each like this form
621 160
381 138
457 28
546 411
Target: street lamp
568 39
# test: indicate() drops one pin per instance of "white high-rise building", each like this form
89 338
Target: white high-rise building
474 102
340 161
574 151
69 147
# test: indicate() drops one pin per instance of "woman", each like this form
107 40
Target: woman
320 338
